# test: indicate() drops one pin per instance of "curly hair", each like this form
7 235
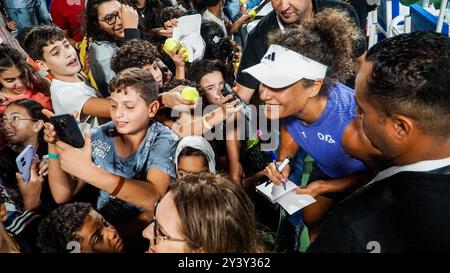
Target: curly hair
142 81
174 83
134 53
59 227
411 76
218 46
216 214
168 13
329 38
91 24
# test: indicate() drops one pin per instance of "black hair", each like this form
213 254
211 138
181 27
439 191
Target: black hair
218 46
411 76
134 53
22 35
9 57
141 80
174 83
329 38
91 24
59 227
204 67
40 37
34 110
190 151
168 13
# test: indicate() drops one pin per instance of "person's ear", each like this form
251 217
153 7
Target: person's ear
402 126
38 126
42 65
314 90
153 108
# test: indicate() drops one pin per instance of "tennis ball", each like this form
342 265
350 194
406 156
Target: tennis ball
252 12
171 44
186 54
190 93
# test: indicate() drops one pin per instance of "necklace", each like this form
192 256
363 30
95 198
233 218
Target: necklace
141 12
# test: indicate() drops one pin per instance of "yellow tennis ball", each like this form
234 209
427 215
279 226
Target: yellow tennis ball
252 12
171 44
190 93
186 54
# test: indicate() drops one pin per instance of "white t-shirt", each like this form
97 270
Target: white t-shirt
68 97
207 15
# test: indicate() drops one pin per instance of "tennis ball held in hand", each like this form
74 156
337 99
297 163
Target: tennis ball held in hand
252 13
190 93
171 45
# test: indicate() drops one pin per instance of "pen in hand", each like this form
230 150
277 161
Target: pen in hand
280 168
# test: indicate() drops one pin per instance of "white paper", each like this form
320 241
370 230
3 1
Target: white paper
288 199
293 202
187 32
187 25
272 191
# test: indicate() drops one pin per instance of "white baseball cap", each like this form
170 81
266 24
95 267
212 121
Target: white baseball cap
281 67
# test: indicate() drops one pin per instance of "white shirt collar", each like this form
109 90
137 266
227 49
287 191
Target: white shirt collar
280 24
421 166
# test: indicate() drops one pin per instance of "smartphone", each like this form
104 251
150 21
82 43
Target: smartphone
67 130
227 90
24 160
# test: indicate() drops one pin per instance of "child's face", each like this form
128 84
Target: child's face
12 80
156 72
98 236
129 111
109 18
17 126
212 84
191 165
61 59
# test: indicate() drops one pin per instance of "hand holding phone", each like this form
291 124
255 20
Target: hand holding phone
227 90
67 130
24 160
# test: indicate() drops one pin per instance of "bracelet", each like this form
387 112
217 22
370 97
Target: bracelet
206 124
52 156
119 186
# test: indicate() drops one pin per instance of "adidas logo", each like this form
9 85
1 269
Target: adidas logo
270 56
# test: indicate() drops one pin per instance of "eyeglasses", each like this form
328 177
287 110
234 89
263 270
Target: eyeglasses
110 19
14 120
157 239
214 87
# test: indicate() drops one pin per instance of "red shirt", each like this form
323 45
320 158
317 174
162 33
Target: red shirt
68 15
41 98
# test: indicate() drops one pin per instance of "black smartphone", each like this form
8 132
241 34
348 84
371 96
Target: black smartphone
67 130
227 90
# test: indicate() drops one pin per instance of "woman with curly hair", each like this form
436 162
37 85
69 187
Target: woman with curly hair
108 25
77 227
300 84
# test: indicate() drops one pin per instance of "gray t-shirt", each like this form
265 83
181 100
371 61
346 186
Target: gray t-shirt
157 150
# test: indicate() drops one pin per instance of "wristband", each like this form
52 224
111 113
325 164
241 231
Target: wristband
119 186
53 156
